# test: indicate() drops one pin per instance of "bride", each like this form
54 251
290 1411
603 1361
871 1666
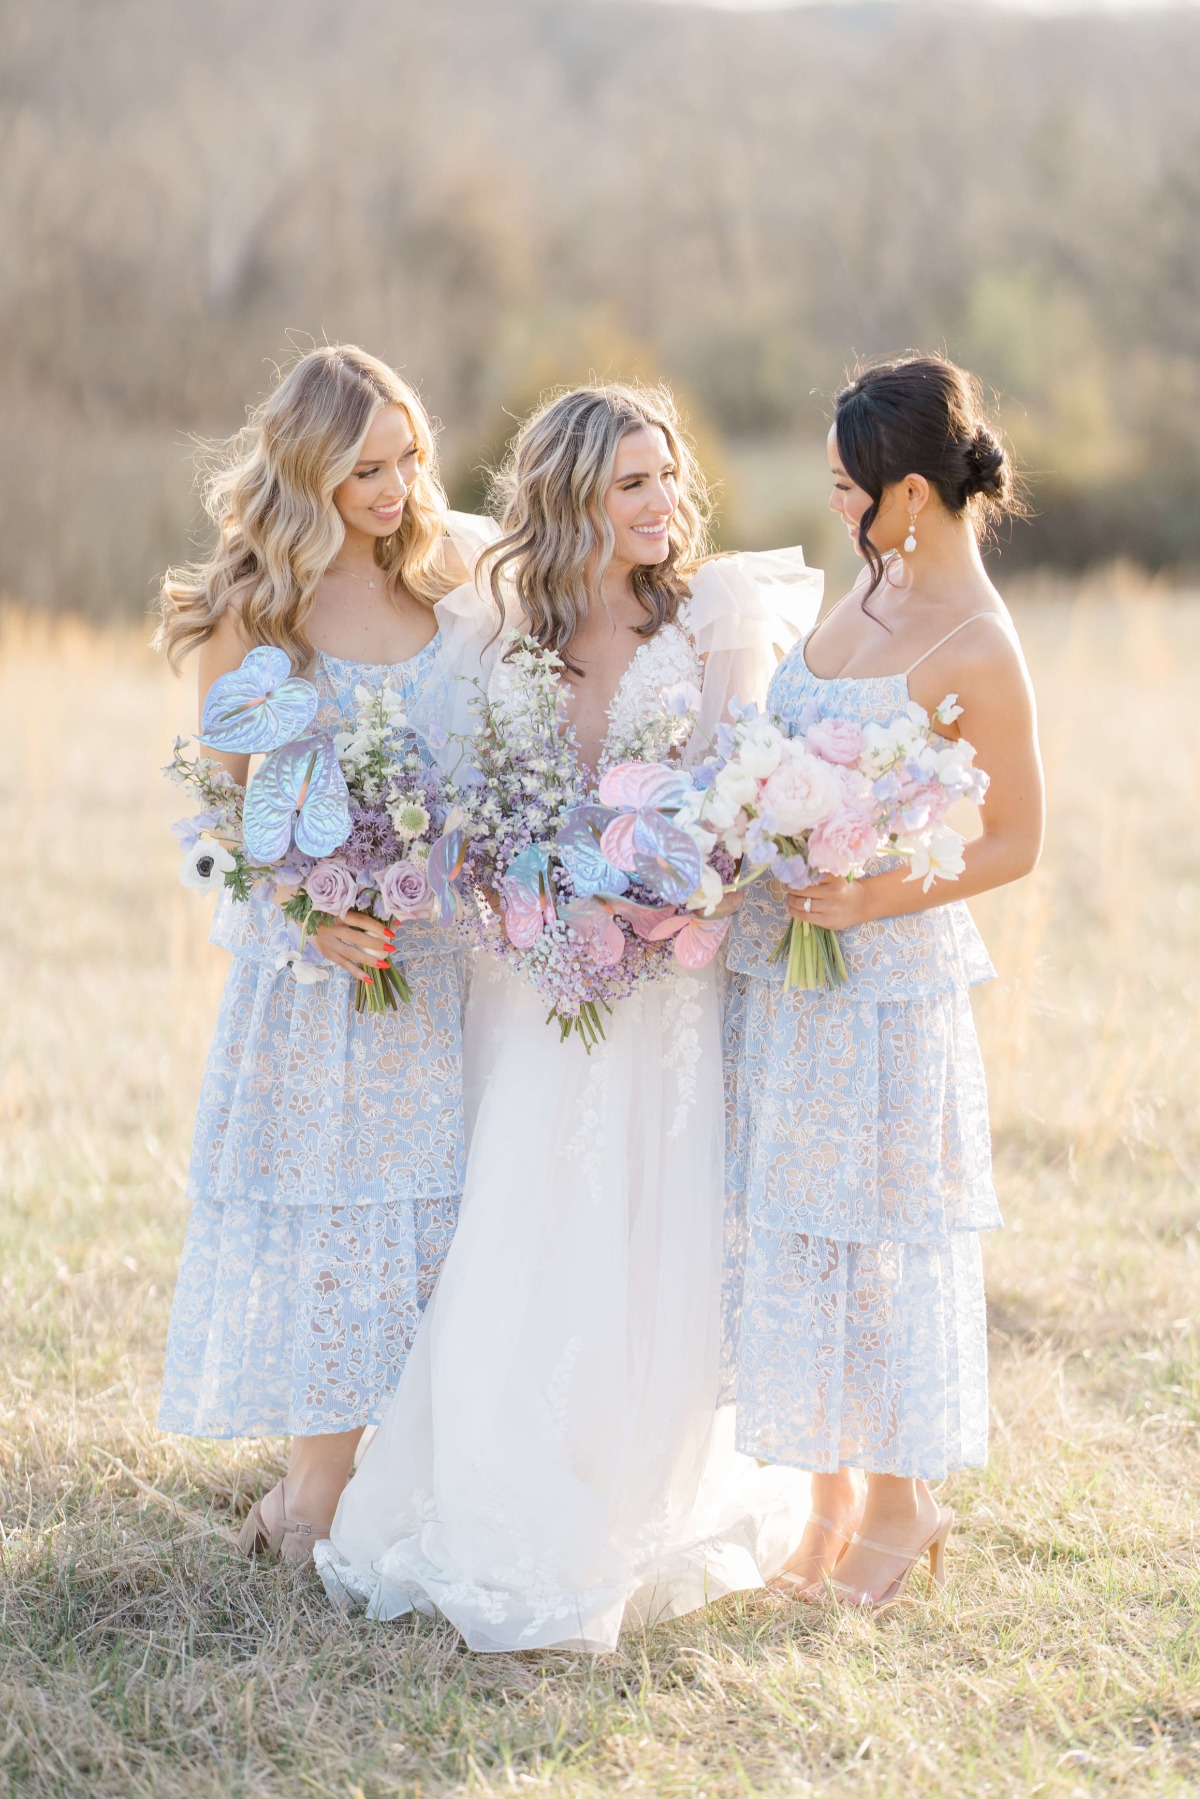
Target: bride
555 1462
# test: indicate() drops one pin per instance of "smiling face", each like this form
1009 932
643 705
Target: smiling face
370 501
851 502
642 497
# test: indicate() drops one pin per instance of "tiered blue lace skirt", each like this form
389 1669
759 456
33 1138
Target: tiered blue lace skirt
325 1175
859 1176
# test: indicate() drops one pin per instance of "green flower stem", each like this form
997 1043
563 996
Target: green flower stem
812 957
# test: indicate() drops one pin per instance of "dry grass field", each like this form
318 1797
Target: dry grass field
140 1655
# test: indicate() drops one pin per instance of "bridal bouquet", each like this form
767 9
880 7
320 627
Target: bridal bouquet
590 893
340 823
832 797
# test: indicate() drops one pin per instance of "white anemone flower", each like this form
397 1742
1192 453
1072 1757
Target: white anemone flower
205 866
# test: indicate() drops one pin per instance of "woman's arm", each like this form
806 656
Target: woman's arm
999 718
219 655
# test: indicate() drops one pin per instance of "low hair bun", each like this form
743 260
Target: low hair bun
988 469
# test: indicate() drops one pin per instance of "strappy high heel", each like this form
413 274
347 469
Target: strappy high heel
293 1542
794 1581
934 1547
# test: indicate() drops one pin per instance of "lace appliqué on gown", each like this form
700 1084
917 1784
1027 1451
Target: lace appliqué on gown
560 1400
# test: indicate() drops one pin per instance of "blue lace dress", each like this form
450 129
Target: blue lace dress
859 1176
326 1167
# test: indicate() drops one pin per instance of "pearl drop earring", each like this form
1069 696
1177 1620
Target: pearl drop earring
910 542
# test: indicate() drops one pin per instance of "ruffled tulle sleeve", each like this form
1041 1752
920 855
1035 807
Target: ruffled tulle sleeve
746 612
471 533
468 643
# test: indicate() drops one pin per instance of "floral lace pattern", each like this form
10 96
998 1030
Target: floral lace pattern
326 1165
637 728
858 1174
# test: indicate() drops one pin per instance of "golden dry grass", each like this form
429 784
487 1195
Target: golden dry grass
140 1655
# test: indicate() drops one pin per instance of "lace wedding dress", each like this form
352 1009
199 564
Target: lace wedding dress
554 1463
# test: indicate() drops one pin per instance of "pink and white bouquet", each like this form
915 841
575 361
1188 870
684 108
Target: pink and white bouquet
831 798
587 894
329 824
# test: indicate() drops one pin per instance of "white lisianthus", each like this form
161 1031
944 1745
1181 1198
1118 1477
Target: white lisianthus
205 866
937 856
690 818
736 785
708 894
718 813
761 749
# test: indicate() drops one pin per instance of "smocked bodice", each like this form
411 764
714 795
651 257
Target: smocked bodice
888 958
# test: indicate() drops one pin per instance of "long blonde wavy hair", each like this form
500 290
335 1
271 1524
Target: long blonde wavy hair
269 491
556 538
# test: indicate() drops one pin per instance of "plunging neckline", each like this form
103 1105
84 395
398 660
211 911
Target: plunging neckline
590 773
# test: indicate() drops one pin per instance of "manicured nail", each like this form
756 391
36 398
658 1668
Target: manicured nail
382 964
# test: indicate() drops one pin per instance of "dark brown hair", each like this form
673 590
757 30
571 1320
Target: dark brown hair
922 415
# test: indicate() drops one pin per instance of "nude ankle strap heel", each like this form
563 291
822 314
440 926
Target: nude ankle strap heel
794 1581
291 1541
934 1547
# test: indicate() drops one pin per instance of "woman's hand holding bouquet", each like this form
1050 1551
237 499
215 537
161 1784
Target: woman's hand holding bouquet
815 809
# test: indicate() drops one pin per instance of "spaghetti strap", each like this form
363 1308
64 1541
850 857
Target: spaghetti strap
925 654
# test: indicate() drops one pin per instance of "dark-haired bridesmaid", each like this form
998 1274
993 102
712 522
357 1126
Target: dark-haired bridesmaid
860 1159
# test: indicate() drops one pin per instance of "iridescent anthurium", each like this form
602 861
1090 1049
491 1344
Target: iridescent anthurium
445 865
595 920
578 844
528 901
641 840
299 794
697 940
259 706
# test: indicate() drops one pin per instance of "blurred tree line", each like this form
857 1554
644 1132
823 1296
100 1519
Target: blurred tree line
497 197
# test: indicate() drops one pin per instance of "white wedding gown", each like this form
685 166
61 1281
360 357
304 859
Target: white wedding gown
554 1463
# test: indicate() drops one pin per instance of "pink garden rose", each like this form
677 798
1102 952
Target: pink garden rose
404 890
332 887
801 793
844 842
836 740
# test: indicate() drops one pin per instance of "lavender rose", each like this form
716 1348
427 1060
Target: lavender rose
404 890
332 887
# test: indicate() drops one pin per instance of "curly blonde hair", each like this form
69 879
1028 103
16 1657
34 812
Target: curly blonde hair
269 491
556 538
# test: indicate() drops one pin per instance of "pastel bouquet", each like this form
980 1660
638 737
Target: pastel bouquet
589 894
330 823
831 798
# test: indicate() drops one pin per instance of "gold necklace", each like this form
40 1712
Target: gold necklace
333 569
